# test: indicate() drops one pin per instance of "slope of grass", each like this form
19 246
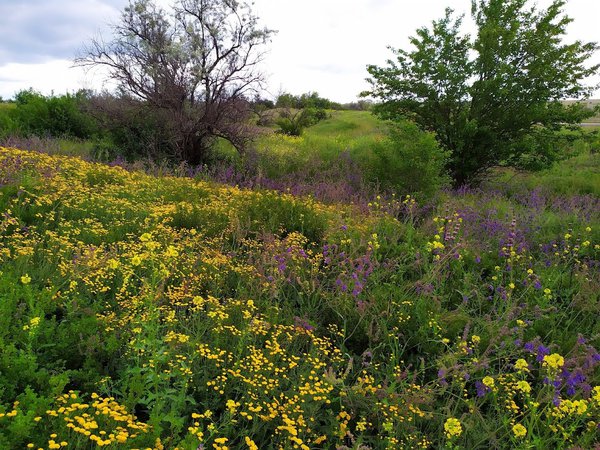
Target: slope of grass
347 125
579 175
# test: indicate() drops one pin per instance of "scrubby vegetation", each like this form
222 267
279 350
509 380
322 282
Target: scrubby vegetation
169 312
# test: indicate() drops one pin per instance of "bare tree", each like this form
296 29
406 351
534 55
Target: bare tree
193 66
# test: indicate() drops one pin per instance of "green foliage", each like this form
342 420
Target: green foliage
293 124
133 131
6 123
308 100
594 141
286 100
493 98
55 116
396 157
409 161
579 175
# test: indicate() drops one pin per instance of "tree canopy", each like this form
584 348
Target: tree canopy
492 98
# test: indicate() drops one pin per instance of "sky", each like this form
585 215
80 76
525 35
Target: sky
321 45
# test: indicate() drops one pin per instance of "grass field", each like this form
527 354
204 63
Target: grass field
579 175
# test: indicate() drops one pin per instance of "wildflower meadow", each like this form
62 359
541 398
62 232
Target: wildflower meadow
171 312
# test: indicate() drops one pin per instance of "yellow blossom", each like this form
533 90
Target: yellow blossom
452 427
250 443
488 381
521 365
596 395
519 430
554 361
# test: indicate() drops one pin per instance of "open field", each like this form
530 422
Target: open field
591 103
165 312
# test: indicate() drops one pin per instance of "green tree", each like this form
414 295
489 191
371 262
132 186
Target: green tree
495 98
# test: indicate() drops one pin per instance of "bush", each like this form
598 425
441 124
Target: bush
595 142
290 126
6 123
132 129
293 125
409 161
62 116
308 100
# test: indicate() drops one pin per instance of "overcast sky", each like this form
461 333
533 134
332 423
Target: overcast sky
321 45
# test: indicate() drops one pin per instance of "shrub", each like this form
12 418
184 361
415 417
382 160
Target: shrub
6 124
409 161
133 129
62 116
290 125
294 124
595 142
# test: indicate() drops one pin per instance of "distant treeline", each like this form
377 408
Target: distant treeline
31 113
313 100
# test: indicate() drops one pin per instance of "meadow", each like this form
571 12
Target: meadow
292 308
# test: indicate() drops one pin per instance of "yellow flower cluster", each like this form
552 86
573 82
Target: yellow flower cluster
554 361
453 428
519 430
102 421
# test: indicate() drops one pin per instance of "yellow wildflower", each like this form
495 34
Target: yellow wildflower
596 395
519 430
554 361
488 381
452 427
521 365
250 443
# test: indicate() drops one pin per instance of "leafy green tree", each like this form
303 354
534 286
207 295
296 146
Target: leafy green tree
495 98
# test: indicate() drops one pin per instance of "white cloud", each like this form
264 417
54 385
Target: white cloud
322 45
36 31
57 76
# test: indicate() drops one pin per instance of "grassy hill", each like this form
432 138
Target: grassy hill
167 312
